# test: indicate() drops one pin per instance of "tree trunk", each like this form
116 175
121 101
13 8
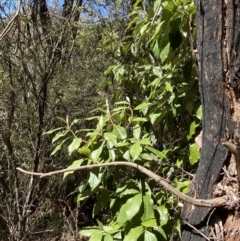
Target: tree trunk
218 40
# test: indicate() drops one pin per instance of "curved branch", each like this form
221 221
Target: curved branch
216 202
13 20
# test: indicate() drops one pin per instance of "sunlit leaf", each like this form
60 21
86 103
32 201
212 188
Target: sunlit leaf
134 234
129 209
74 145
96 153
148 236
111 139
194 154
75 164
135 150
121 131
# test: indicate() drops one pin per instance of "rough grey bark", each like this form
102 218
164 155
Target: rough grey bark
218 40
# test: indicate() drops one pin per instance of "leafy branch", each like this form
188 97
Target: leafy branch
215 202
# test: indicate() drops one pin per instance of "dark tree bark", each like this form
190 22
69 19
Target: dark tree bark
218 40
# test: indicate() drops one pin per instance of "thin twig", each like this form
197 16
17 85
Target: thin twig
216 202
199 232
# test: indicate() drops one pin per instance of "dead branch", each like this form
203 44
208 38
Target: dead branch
216 202
12 21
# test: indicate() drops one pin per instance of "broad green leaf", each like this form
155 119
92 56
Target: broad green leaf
74 145
148 208
76 163
96 237
129 191
112 155
149 157
111 139
194 154
96 153
150 223
108 237
153 117
192 130
145 141
120 144
89 231
129 209
149 236
85 151
100 123
183 186
126 155
165 52
121 131
156 152
137 131
134 234
135 150
95 179
143 105
169 87
162 233
199 113
164 215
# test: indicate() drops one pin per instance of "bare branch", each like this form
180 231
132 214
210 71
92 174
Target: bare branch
13 20
216 202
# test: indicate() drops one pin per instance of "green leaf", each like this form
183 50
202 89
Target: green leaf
121 131
183 186
165 52
126 155
101 202
100 123
74 145
150 223
96 153
89 231
135 150
143 105
137 131
108 237
148 208
192 130
164 216
161 232
112 154
144 141
149 236
199 113
58 147
84 151
129 209
96 237
76 163
95 179
138 119
134 234
51 131
111 139
194 154
156 152
59 135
